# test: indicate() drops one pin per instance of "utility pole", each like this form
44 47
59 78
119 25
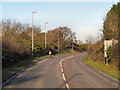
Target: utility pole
32 33
58 41
72 46
45 35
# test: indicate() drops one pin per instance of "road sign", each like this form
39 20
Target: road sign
107 44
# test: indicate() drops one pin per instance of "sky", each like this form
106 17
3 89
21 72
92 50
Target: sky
84 18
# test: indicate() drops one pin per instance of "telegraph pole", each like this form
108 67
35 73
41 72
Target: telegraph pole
58 40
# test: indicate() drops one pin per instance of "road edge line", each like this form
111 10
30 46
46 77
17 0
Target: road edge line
104 74
19 72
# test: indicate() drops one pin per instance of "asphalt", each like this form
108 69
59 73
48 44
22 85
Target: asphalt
47 74
80 75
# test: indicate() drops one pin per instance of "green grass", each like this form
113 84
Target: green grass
67 53
7 72
102 67
71 52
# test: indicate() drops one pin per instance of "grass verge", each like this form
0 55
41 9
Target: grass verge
72 52
103 68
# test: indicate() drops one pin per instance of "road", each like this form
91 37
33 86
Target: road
48 74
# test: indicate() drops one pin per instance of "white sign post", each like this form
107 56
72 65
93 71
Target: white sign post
107 44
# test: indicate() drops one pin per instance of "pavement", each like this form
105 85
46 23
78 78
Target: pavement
63 71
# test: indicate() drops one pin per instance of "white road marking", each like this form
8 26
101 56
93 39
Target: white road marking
109 76
18 73
60 62
67 86
112 78
62 70
63 75
61 65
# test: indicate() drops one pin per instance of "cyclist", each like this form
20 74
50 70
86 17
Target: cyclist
50 53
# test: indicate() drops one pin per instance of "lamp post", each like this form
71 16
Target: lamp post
32 33
45 35
58 40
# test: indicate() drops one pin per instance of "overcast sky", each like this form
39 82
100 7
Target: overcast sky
84 18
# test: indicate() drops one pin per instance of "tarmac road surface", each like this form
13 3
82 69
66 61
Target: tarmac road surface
63 71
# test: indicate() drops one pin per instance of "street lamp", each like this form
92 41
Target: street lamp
32 33
45 34
58 40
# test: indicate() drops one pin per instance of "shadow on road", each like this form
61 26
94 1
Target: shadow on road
69 79
22 80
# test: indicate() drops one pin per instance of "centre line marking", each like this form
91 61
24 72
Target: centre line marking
61 65
62 70
67 86
63 75
60 62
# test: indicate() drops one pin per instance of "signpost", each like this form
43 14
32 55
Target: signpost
107 44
